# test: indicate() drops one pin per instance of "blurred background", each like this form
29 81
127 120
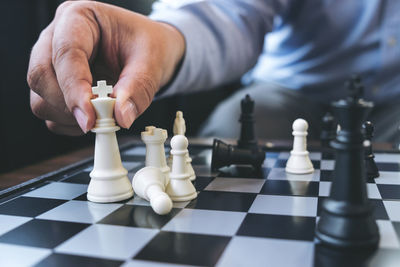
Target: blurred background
24 139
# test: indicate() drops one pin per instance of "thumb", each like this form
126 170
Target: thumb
134 92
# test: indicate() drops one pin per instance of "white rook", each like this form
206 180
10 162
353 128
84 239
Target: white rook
109 181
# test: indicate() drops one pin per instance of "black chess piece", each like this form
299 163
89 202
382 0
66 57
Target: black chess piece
346 219
247 138
225 155
328 131
370 165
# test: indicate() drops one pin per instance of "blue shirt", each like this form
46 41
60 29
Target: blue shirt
307 45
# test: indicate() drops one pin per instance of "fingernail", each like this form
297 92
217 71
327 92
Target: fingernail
129 113
81 118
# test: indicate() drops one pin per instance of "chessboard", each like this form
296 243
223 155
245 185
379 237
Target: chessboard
241 217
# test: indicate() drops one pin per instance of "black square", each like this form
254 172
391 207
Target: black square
290 188
42 233
328 154
201 182
396 226
326 175
278 226
29 206
61 260
79 178
244 172
378 208
228 201
200 160
388 166
184 248
138 216
389 191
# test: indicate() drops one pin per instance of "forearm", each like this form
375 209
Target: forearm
223 39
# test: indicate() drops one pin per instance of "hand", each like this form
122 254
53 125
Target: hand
89 41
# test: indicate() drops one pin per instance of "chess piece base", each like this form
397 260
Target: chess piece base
106 191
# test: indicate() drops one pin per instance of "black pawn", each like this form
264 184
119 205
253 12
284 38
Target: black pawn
347 219
225 155
328 131
370 165
247 138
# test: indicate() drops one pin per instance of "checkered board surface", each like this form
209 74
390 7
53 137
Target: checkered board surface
240 218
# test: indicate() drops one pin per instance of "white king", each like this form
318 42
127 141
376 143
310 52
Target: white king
109 181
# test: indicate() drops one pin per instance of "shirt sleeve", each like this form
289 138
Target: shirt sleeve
223 38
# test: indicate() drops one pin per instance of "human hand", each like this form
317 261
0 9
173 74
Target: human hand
89 41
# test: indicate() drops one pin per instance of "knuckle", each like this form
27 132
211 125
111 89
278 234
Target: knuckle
38 109
73 6
35 76
148 87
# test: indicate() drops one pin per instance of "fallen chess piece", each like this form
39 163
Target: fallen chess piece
180 188
149 183
299 161
225 155
109 181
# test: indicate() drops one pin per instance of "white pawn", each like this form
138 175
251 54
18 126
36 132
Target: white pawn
149 183
180 188
180 129
299 161
154 138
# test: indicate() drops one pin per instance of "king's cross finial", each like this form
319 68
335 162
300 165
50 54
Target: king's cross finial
102 89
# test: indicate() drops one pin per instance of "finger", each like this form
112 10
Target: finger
73 44
64 129
134 91
41 76
43 110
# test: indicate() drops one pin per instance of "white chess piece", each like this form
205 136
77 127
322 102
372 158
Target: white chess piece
154 138
299 161
149 183
180 188
180 129
109 181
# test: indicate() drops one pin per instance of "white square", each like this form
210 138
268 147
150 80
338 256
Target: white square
285 205
315 155
386 157
206 222
130 165
9 222
324 189
327 164
388 178
284 155
59 190
392 209
80 211
267 252
14 255
373 191
388 235
108 241
236 185
269 162
281 174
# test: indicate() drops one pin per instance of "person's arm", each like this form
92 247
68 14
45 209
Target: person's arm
223 38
